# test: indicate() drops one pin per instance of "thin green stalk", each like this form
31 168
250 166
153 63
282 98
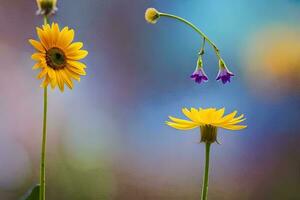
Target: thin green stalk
43 148
201 52
45 20
206 172
195 28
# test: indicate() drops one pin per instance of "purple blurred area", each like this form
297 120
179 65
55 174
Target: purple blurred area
107 138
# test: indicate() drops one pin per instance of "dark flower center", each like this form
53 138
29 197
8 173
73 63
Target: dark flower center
56 58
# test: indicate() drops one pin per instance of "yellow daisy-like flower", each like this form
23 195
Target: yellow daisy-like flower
57 56
208 120
151 15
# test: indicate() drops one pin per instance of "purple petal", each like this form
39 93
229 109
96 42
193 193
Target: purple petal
199 76
224 75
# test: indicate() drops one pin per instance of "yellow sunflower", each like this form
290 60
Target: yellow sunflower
57 57
208 120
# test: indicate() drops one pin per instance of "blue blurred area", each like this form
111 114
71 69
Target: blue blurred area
107 138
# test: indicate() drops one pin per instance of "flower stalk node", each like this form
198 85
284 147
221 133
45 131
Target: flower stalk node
201 52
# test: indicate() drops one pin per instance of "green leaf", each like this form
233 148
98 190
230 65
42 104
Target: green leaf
32 194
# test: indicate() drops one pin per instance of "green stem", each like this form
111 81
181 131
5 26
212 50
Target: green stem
206 172
43 149
45 20
195 28
201 52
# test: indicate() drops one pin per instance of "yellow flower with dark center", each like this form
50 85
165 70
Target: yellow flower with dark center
151 15
208 120
46 7
57 57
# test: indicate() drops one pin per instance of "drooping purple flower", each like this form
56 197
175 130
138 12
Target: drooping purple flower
224 75
199 75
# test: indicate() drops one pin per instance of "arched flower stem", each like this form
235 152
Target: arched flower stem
196 29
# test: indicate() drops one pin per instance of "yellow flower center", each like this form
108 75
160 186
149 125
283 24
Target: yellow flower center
56 58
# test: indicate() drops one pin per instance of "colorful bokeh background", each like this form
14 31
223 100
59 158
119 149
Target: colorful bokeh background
107 138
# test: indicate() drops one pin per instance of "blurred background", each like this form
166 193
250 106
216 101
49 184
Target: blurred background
107 138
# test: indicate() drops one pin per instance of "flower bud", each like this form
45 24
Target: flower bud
46 7
151 15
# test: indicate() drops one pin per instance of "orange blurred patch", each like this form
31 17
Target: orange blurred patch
272 59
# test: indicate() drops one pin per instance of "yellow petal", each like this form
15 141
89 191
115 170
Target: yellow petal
78 55
219 113
66 79
45 82
74 47
42 73
227 118
38 56
60 81
48 35
77 64
194 111
53 82
37 45
195 114
55 33
189 115
69 37
182 121
233 127
61 36
210 110
51 73
72 75
37 66
43 38
46 27
180 126
206 116
65 38
236 121
239 117
76 70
